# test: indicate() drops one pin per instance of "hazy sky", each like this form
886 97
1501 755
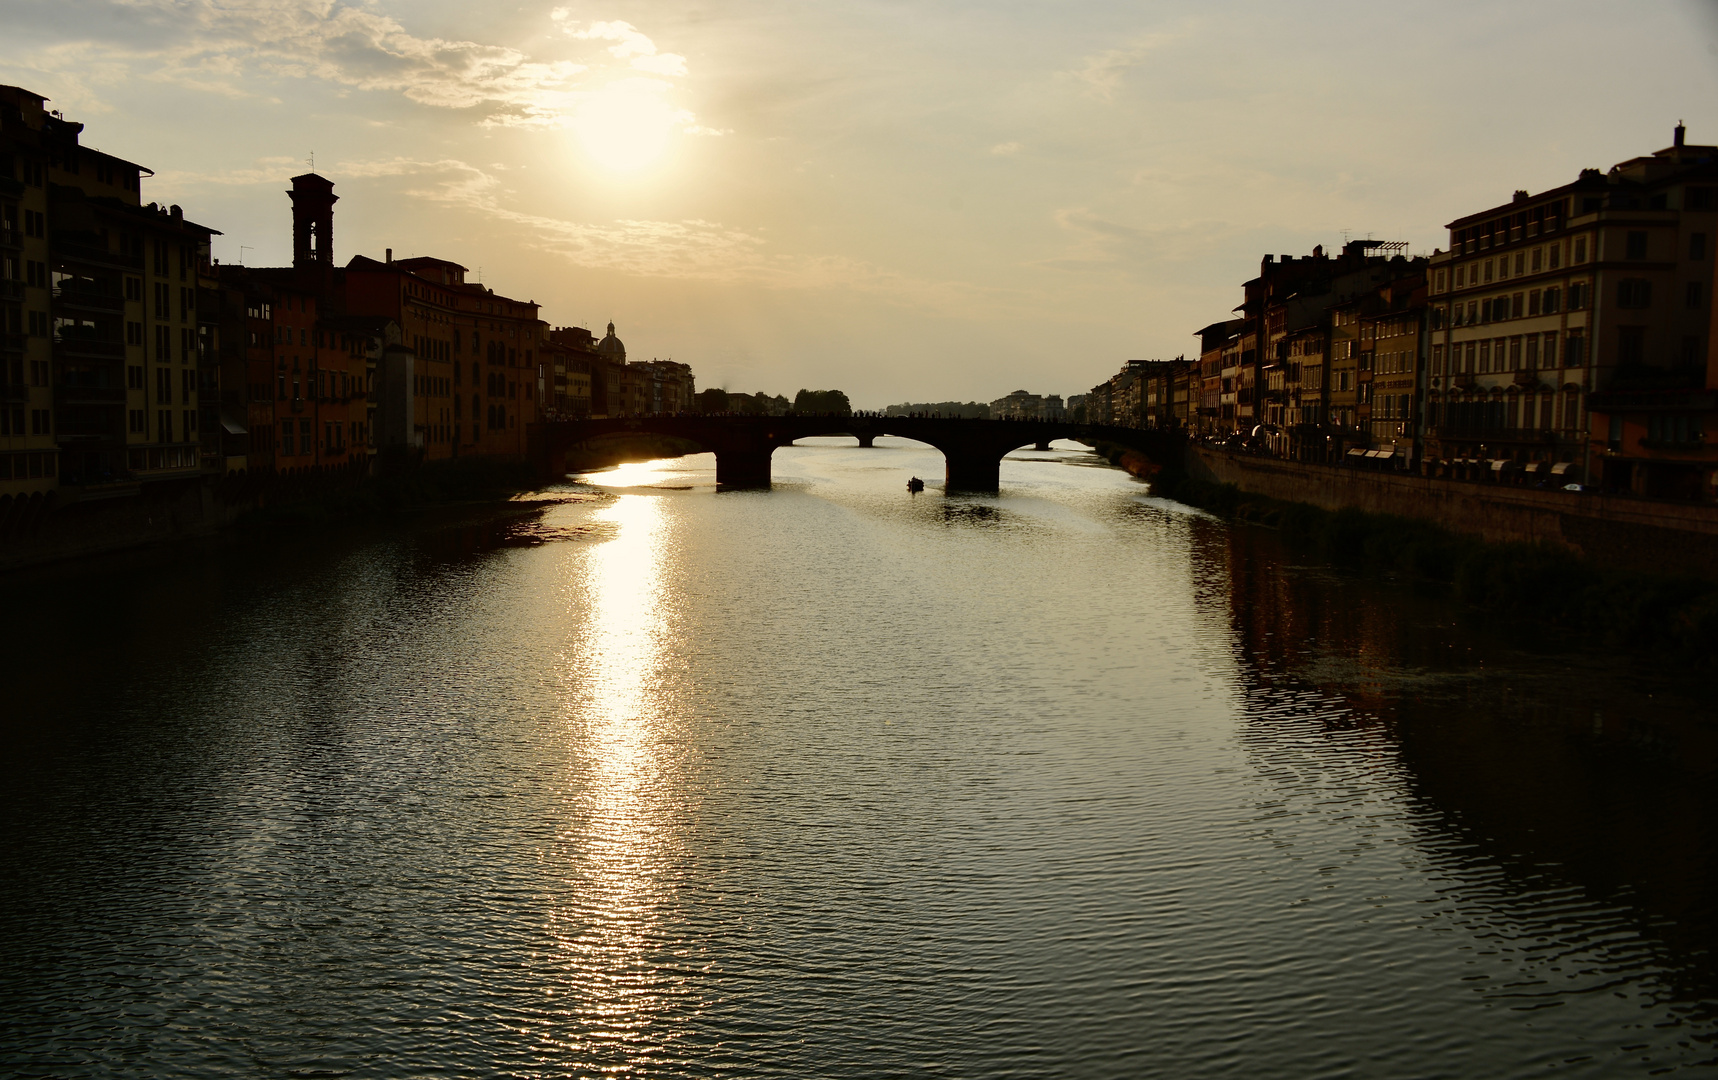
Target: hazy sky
917 201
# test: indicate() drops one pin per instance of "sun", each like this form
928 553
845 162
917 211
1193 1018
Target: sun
626 125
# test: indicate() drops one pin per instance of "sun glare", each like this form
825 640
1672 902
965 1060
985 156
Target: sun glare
626 125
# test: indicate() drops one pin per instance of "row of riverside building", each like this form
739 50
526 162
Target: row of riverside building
128 356
1562 337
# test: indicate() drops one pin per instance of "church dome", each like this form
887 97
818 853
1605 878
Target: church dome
611 346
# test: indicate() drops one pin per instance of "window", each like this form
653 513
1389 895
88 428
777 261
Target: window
286 439
1635 246
1580 249
1533 302
1693 354
1438 285
164 425
1696 291
1515 354
1488 269
1556 256
1438 359
1634 293
134 422
1631 344
41 422
38 324
1520 263
1515 306
1553 296
1532 352
1538 254
134 378
1575 348
1551 349
1674 429
1577 296
188 422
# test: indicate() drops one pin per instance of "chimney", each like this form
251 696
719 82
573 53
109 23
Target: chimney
176 213
390 255
1681 133
1520 196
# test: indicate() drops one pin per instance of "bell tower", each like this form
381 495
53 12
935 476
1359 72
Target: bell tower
313 202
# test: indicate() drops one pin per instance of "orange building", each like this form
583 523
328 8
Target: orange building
475 386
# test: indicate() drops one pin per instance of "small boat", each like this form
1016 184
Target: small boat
915 485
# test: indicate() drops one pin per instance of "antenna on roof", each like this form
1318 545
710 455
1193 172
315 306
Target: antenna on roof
242 249
312 161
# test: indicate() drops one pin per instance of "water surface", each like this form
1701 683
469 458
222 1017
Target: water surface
833 781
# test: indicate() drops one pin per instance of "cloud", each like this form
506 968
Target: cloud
1102 73
222 46
629 44
1103 244
1007 149
692 249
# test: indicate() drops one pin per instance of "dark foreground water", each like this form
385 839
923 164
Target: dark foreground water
833 781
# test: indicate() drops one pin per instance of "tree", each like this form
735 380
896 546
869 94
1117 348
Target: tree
713 401
821 401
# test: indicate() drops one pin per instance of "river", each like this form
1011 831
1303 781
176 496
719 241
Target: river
834 780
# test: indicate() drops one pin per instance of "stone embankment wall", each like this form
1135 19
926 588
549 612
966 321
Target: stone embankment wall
1641 534
45 532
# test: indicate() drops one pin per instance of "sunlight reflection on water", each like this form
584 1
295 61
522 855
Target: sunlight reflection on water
620 836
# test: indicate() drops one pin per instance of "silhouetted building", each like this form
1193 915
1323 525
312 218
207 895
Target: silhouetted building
1572 329
100 338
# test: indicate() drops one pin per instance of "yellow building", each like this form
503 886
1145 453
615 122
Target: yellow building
100 302
1558 316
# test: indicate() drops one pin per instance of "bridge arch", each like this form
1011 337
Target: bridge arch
972 449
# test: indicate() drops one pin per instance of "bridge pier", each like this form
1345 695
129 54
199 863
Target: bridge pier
969 470
866 441
743 467
1043 444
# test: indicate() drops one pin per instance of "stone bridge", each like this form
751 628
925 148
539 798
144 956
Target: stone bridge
972 449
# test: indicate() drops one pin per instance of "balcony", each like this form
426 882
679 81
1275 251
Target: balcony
94 256
101 303
11 238
11 290
12 343
76 394
89 348
14 394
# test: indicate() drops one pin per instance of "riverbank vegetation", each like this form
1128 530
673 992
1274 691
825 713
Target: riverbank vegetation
1540 582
